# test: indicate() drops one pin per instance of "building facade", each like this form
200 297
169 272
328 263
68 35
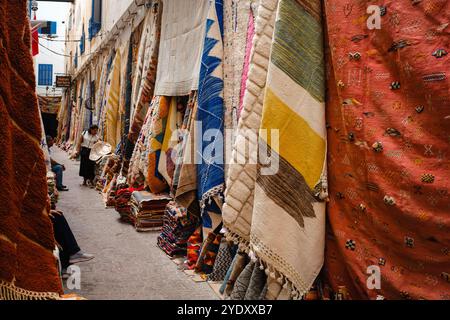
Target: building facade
95 29
49 62
88 24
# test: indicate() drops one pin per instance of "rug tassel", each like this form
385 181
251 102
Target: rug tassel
9 291
272 272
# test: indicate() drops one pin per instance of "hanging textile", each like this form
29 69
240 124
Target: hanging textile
102 90
239 194
28 269
112 125
145 75
180 51
183 136
187 181
63 118
166 165
79 120
139 159
105 96
210 172
388 146
158 121
288 223
247 56
128 91
44 145
236 18
87 109
124 85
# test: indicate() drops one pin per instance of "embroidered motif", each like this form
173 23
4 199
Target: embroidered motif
350 244
399 45
389 200
354 56
395 85
439 53
359 37
377 146
351 136
427 178
409 242
439 76
393 132
419 109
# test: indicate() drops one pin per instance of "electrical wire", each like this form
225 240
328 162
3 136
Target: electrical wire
61 54
54 40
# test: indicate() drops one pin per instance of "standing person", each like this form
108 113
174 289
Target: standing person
87 167
57 168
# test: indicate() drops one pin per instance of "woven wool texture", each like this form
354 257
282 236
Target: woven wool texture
145 74
180 50
235 21
389 209
27 265
112 123
238 207
288 222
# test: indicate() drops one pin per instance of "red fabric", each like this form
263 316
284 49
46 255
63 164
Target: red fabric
26 233
35 42
409 240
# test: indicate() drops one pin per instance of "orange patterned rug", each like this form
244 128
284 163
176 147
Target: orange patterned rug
388 114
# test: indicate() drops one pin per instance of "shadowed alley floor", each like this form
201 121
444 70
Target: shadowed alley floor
127 264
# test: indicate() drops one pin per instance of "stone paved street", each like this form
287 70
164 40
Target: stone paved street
127 264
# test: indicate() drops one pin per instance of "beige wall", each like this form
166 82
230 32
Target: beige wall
112 10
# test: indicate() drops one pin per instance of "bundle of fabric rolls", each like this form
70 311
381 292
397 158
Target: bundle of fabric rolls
147 210
178 226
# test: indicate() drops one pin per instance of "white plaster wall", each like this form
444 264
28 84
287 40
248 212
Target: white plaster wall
51 11
112 10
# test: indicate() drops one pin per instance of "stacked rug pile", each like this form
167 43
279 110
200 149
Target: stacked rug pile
147 210
122 203
178 226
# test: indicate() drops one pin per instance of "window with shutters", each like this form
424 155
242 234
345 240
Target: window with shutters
82 41
75 60
45 75
95 22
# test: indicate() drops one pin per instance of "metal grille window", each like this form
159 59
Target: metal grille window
45 74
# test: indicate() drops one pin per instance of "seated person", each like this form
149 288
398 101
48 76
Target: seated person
57 168
70 252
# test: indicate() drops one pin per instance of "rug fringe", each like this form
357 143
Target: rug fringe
207 196
295 292
271 271
243 244
8 291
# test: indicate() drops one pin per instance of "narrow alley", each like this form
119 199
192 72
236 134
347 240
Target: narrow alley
224 150
127 264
